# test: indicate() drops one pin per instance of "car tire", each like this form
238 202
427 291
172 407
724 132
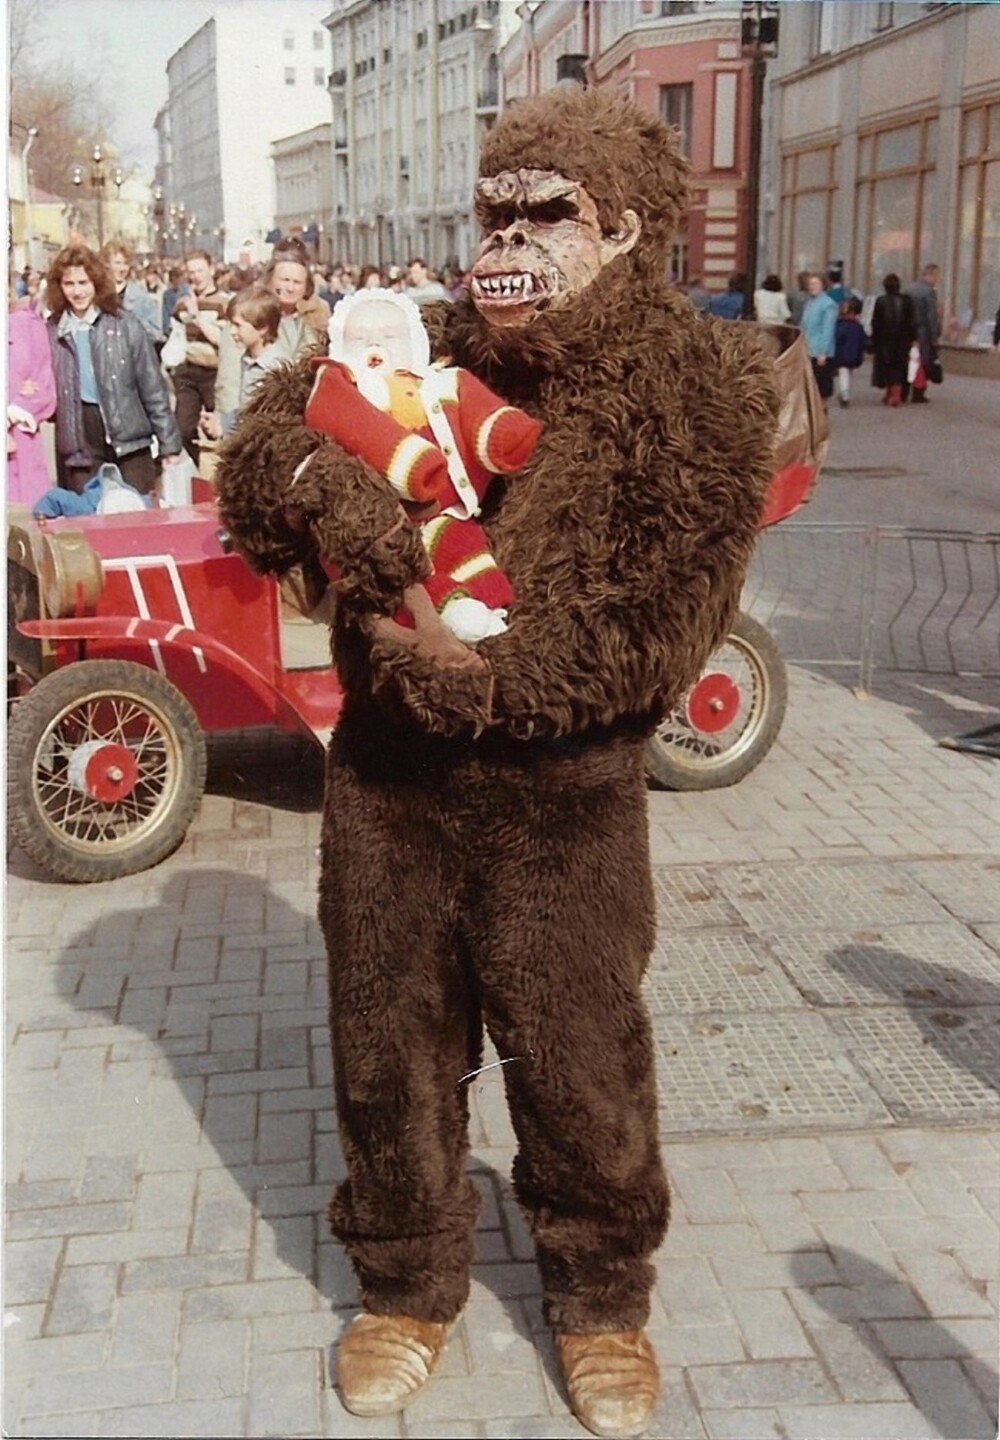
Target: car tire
106 769
728 720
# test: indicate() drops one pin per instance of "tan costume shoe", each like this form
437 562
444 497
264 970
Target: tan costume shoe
613 1380
386 1360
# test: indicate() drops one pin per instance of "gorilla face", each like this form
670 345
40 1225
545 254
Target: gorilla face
543 244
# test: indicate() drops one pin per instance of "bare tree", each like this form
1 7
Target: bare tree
68 110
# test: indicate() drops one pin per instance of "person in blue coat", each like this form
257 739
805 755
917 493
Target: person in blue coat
729 305
850 344
819 323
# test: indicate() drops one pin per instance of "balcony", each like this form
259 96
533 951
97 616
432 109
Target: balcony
340 142
336 80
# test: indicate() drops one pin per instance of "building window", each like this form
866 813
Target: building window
808 185
319 75
318 39
884 16
289 75
893 230
676 104
976 285
677 7
288 39
821 39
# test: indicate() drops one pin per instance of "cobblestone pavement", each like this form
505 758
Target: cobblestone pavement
826 1000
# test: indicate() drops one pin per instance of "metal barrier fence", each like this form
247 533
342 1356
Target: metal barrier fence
879 598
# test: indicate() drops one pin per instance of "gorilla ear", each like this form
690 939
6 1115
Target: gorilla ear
620 241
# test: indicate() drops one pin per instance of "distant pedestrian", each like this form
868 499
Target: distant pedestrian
797 300
31 398
33 296
132 294
202 313
175 287
111 399
923 293
819 325
697 294
849 346
421 286
770 303
893 332
304 316
729 305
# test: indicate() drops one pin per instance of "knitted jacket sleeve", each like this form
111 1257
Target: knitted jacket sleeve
287 494
630 575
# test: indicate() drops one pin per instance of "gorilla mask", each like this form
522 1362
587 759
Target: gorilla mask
544 244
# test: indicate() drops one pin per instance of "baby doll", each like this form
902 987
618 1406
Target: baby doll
436 433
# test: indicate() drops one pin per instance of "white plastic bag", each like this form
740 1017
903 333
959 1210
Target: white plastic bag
116 496
913 364
174 351
175 480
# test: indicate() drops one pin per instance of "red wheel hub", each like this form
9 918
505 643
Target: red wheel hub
105 771
712 703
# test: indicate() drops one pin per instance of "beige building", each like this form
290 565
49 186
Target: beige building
414 84
885 149
303 188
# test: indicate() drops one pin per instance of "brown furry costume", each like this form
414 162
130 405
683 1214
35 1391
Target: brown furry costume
485 832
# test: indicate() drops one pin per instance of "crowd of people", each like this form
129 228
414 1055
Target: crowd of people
137 365
143 363
902 334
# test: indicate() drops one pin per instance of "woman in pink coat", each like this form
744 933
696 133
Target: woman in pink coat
31 398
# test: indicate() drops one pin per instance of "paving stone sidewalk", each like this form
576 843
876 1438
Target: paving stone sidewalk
826 1001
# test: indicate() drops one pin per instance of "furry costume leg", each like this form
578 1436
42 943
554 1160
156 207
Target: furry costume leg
405 1027
565 926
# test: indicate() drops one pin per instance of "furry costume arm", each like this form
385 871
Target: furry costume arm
339 508
634 575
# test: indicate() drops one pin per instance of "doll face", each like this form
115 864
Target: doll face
543 244
376 337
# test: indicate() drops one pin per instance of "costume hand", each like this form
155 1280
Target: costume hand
430 637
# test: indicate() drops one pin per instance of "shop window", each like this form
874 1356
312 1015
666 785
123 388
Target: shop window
806 209
894 230
976 280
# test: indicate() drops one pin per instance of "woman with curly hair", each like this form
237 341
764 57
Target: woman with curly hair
111 399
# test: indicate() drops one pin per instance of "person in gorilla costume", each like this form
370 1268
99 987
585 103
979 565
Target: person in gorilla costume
484 844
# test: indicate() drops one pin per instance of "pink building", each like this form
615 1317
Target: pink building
681 61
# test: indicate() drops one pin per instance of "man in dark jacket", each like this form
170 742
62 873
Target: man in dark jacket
923 293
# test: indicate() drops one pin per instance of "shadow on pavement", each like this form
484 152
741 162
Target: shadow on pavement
866 1303
266 767
956 1013
219 983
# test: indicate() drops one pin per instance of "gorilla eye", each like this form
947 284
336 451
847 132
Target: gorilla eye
552 212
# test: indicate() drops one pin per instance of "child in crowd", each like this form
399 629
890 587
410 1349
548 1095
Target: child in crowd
254 315
850 345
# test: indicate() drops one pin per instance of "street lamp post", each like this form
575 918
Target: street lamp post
26 175
759 39
98 181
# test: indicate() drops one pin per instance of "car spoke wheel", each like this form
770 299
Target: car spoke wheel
728 720
106 769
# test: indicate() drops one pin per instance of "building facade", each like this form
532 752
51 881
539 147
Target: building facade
250 74
682 61
413 84
885 150
303 188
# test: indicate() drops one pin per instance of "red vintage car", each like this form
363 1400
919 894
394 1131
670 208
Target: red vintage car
133 636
